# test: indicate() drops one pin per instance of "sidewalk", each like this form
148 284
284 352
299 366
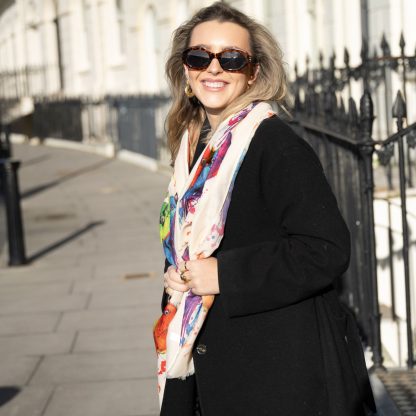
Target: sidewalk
75 323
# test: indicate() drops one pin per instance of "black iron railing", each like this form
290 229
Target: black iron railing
350 152
30 81
133 123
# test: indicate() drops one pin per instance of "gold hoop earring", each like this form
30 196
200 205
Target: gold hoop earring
188 90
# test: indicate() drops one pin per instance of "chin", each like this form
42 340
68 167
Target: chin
213 105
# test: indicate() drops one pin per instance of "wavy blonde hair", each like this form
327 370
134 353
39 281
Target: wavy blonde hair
271 83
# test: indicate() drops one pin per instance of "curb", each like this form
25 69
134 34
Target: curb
107 150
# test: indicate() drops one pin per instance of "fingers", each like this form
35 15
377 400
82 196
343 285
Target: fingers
169 291
183 266
177 275
184 271
201 276
173 280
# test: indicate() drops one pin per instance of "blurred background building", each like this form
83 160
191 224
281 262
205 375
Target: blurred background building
92 49
91 72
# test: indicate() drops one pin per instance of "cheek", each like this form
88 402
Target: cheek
241 83
193 77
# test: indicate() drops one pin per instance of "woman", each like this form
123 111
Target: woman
253 239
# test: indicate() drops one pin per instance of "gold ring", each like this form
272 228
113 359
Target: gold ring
183 278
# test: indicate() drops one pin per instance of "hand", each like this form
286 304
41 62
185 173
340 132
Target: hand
201 276
173 280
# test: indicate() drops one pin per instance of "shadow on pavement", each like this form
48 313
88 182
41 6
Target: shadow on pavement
40 188
7 393
63 241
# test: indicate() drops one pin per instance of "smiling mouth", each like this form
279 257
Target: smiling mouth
214 84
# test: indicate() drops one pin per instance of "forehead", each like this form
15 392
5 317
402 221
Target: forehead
217 35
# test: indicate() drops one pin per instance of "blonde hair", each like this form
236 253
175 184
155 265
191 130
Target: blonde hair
271 83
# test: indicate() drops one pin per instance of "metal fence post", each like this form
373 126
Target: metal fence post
5 147
10 187
366 150
400 113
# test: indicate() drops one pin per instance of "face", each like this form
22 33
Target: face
214 87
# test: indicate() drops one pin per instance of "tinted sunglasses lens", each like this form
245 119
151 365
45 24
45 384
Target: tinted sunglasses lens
233 60
197 58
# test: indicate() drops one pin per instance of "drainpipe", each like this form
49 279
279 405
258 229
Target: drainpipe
365 31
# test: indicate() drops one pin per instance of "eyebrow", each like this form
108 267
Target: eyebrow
224 47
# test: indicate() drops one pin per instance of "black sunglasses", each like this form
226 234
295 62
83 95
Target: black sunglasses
230 59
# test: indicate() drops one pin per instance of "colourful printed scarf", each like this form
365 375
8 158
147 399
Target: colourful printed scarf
192 222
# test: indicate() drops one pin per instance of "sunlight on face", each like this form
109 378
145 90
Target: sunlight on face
214 87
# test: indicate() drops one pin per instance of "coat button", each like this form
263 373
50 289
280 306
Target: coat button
201 349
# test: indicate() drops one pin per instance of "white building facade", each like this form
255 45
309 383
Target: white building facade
99 47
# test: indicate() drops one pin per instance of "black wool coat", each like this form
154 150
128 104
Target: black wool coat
276 340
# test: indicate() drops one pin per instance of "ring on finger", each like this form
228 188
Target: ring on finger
184 270
183 278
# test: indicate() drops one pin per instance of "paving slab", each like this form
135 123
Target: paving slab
76 321
43 272
98 366
36 344
28 323
112 340
107 259
17 371
45 303
123 297
120 270
113 398
34 290
140 317
134 280
31 401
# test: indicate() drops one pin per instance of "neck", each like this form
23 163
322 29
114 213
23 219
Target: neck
213 118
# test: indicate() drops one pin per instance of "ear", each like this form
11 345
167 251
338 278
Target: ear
253 76
186 70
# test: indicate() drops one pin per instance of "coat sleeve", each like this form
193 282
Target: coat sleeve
311 248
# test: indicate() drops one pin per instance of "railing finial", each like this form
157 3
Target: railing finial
399 110
402 43
346 57
364 50
366 115
384 45
352 113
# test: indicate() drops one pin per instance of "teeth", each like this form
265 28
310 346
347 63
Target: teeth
214 84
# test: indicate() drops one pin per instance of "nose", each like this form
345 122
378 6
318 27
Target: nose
214 67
